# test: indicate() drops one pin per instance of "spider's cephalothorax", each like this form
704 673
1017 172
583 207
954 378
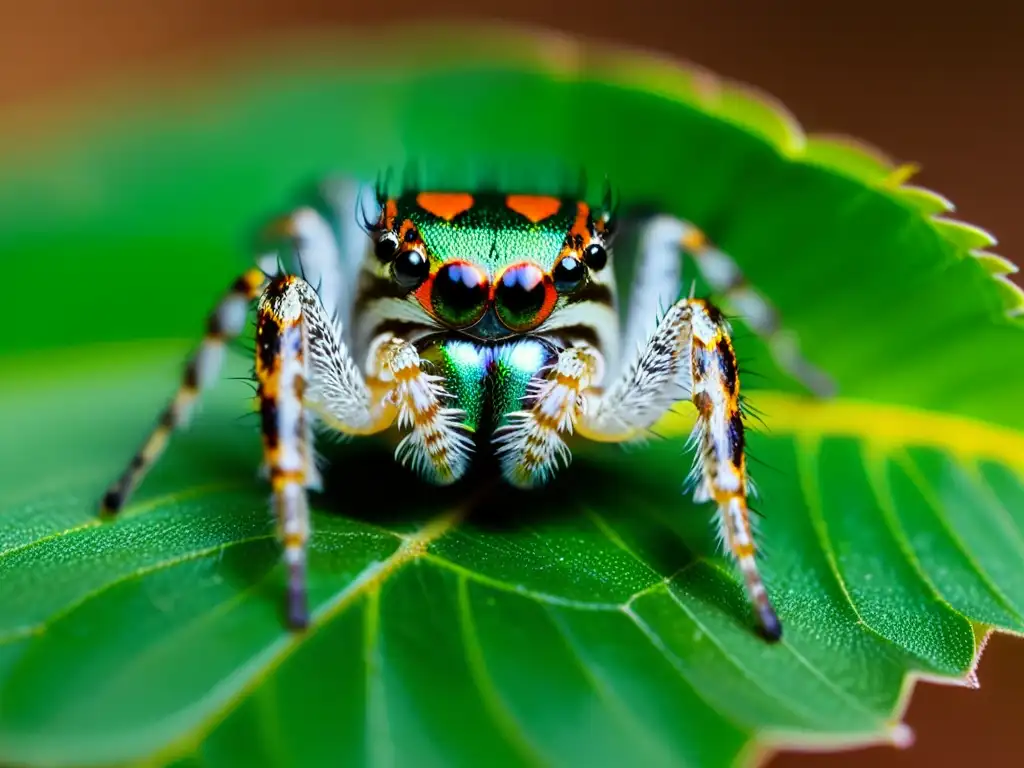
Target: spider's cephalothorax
482 320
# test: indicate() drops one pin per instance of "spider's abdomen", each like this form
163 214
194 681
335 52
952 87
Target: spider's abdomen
487 381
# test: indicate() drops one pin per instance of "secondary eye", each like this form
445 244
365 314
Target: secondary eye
386 246
568 274
523 297
410 269
595 256
459 293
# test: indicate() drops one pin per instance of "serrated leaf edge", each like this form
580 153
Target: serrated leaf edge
730 101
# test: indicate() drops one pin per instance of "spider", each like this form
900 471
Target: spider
482 320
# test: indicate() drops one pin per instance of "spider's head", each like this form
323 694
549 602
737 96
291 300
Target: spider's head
493 265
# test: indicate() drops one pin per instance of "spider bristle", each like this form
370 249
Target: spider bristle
371 226
412 176
246 345
748 411
383 185
244 420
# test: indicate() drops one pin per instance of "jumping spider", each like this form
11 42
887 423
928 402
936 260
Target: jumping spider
470 317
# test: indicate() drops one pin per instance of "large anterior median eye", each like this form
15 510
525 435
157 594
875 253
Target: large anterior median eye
523 297
459 293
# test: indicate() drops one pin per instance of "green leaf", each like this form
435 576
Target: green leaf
592 623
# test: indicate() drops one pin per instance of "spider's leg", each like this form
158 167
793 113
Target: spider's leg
658 282
315 255
283 373
530 445
690 356
305 371
322 257
225 323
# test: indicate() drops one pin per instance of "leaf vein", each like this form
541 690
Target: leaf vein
378 730
654 639
41 627
807 448
1002 515
874 466
129 512
611 699
516 589
909 466
499 712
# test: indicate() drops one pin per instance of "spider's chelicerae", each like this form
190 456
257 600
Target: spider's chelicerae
473 318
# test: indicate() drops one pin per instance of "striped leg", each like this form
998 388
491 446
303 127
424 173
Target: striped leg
690 355
328 245
304 370
658 284
225 323
282 373
530 446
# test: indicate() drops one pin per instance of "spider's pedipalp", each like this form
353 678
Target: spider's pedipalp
530 446
437 447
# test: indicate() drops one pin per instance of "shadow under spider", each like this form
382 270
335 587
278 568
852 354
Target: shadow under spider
367 470
621 486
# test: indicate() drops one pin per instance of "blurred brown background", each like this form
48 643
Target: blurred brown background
941 84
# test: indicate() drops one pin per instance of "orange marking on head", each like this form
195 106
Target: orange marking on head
534 207
388 214
580 227
405 228
422 293
444 205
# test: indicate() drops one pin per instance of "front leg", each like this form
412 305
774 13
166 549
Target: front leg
304 371
690 355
